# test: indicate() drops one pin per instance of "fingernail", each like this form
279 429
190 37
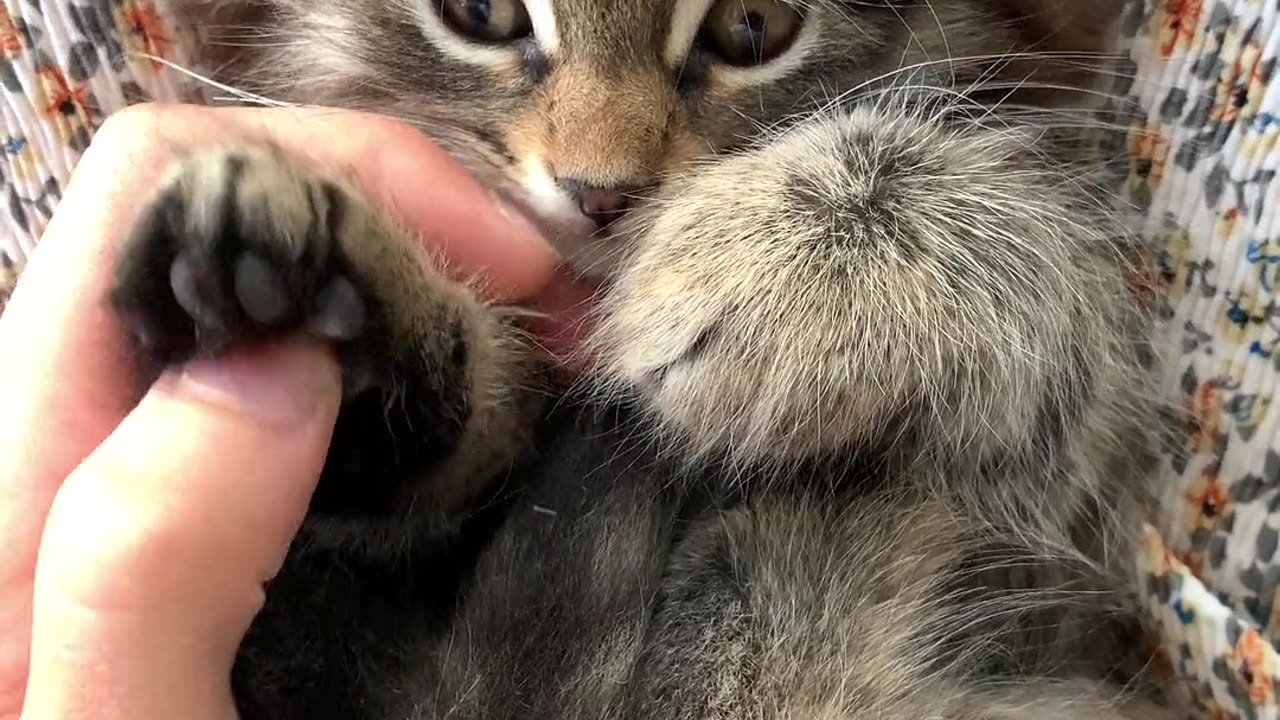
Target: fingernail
281 385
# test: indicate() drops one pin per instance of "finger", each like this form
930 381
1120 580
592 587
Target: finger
157 546
481 237
564 320
65 373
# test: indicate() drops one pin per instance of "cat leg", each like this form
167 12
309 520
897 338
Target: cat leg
245 245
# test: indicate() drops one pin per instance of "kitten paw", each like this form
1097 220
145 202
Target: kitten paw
238 246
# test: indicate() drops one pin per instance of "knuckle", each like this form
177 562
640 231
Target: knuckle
131 129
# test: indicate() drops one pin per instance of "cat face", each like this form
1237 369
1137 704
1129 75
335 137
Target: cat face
574 109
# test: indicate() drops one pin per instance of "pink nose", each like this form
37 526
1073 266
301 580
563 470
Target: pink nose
602 204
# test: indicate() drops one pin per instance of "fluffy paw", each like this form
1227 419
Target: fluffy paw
862 279
242 246
237 246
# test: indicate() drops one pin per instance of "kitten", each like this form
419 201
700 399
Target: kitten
864 435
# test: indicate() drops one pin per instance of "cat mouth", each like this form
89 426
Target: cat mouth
585 247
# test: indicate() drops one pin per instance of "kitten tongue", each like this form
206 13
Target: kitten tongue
567 302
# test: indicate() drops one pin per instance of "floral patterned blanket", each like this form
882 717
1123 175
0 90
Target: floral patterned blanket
1202 160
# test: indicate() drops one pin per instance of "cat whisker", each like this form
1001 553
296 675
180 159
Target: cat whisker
972 60
902 90
254 44
240 95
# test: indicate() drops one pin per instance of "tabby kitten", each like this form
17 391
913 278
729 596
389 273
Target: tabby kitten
859 438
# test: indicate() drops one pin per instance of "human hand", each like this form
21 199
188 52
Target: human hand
137 539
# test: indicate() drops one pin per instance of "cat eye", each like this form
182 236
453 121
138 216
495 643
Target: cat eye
487 20
750 32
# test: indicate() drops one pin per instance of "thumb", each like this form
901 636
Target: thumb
156 549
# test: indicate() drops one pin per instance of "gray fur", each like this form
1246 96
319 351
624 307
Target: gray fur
866 429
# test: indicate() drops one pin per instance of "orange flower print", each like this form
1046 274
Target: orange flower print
1253 663
1235 83
1227 223
60 97
144 29
1148 153
1206 408
10 38
1208 500
1179 21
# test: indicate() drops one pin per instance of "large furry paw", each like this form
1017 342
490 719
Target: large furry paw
863 279
238 246
243 246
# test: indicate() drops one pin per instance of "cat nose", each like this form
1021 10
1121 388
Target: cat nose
601 203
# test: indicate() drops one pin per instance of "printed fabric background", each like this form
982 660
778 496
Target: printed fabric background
1202 160
64 66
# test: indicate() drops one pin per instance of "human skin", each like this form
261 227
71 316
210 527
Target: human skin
140 524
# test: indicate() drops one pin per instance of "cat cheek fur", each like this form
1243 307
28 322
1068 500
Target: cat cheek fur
876 269
604 131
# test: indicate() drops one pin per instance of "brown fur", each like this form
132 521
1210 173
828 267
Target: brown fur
866 431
